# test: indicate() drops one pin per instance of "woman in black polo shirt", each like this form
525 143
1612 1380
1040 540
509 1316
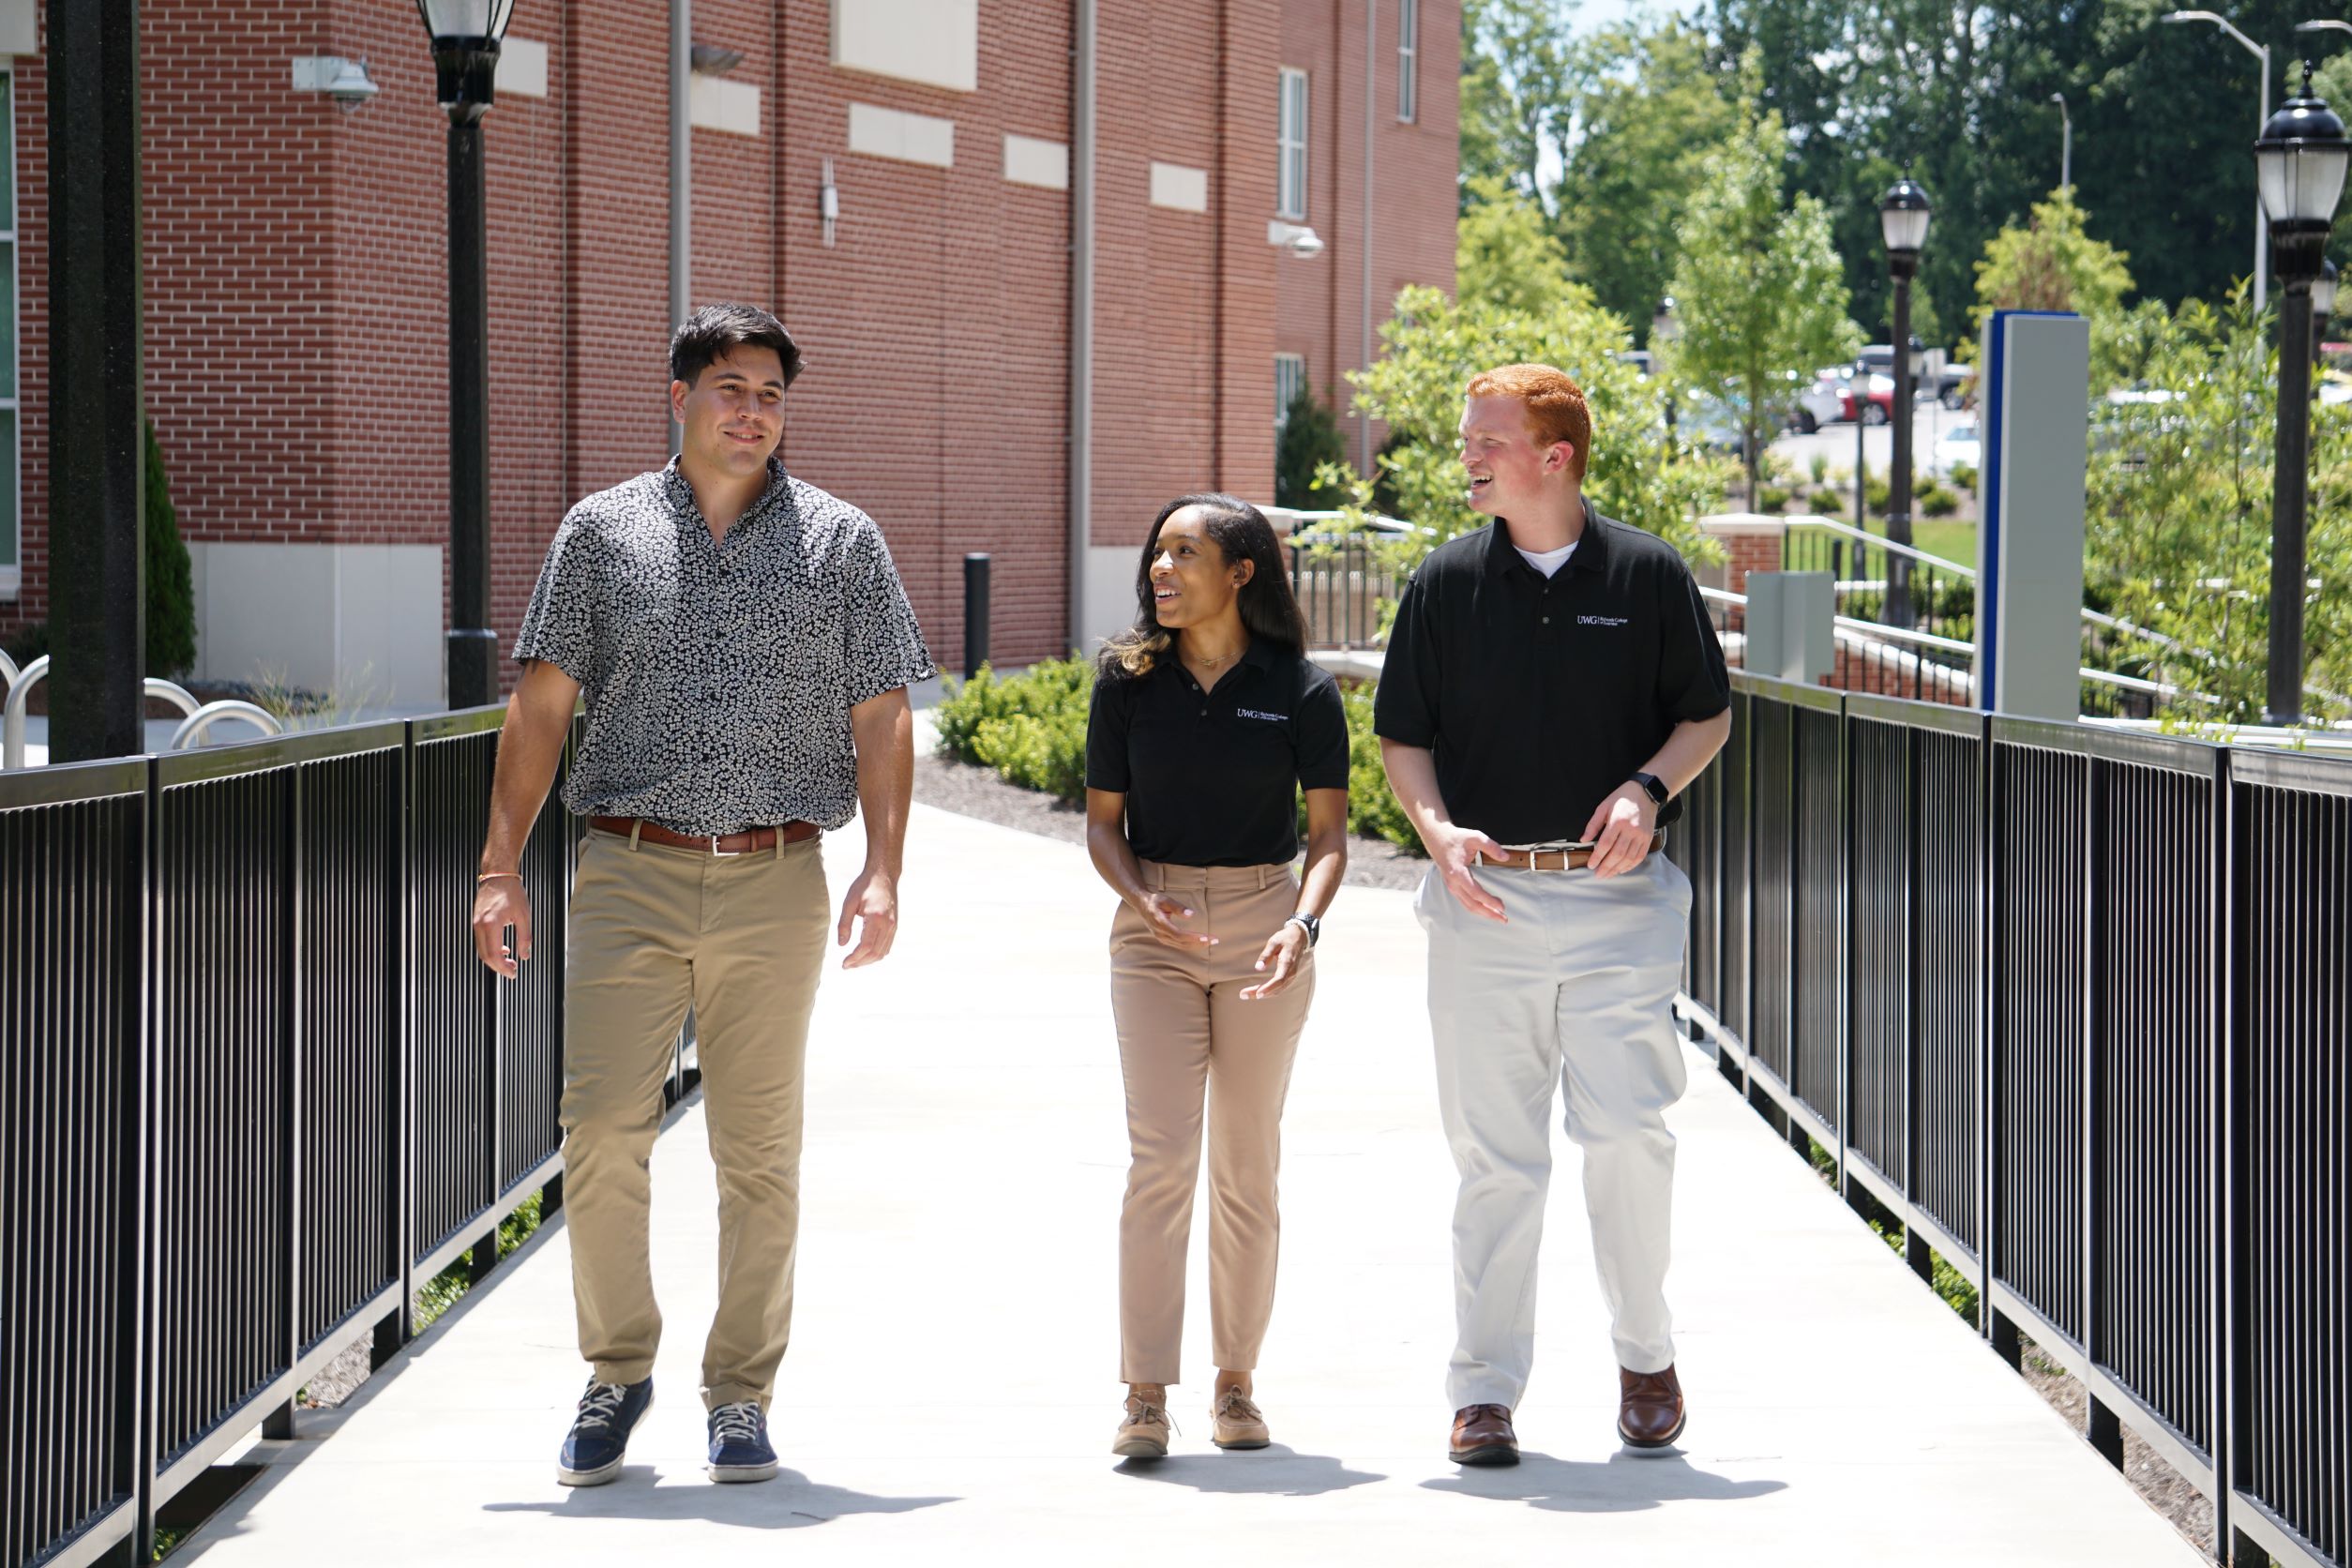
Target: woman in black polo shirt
1207 721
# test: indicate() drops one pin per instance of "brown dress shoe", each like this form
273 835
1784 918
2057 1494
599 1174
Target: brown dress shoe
1239 1422
1483 1435
1143 1431
1650 1412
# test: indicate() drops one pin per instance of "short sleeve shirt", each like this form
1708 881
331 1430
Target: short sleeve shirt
1539 697
719 675
1212 777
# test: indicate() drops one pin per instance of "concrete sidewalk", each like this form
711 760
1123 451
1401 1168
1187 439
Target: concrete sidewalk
951 1390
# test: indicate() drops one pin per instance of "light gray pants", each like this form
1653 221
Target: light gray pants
1576 987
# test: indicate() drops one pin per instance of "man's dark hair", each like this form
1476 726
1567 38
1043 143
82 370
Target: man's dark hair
716 330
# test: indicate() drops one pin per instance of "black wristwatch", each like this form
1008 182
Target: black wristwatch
1313 927
1654 786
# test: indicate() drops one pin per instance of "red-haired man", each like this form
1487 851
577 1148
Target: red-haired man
1552 684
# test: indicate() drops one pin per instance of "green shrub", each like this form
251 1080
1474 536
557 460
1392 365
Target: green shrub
1373 810
171 580
1031 728
1771 498
1964 476
1874 495
1937 502
1820 466
1310 438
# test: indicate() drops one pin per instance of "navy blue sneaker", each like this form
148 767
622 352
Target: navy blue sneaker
599 1438
739 1449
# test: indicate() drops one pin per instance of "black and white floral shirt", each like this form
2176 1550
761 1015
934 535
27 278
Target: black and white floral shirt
719 677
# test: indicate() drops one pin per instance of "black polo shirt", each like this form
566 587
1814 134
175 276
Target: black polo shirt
1212 777
1540 697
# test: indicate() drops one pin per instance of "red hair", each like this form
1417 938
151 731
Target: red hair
1555 404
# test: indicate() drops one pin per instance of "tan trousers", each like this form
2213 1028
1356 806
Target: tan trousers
1182 1027
742 939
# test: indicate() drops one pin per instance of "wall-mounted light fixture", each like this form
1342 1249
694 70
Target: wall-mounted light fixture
1297 238
346 82
710 59
829 204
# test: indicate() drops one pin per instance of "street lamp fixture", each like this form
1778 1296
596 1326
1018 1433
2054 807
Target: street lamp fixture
1903 215
2299 164
465 40
2066 144
2323 298
1665 329
2261 53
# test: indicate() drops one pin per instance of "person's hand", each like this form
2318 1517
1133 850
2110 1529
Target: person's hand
1455 850
1621 830
1279 960
498 903
1160 913
872 905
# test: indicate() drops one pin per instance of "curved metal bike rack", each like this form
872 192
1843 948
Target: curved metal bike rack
12 716
199 721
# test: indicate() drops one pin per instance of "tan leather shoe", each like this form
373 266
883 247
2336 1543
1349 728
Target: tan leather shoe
1143 1434
1483 1435
1650 1413
1239 1422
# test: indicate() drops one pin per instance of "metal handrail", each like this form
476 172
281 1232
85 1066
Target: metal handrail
1846 529
7 668
13 715
21 684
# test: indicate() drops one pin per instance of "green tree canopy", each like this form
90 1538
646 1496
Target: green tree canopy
1433 345
1517 97
1758 286
2048 262
1504 252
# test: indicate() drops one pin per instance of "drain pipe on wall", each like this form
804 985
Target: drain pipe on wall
1082 103
1371 109
680 179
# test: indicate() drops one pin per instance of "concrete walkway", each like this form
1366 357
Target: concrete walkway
950 1395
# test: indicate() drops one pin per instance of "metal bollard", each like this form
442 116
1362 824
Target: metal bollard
975 612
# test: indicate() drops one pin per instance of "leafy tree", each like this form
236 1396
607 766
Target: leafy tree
2049 263
1310 438
1650 115
2177 526
171 578
1431 348
1504 252
1517 69
1759 287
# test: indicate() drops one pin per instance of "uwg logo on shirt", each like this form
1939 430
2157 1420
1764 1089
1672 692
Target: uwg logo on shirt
1603 620
1253 712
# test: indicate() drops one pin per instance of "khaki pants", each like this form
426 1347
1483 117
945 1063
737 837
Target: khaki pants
742 939
1184 1026
1576 991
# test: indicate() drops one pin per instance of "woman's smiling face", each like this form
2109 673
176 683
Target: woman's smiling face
1192 582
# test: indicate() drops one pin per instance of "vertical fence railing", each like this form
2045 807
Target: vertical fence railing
256 1087
1344 585
2089 1050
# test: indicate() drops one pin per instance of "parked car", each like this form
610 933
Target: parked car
1874 403
1713 423
1955 448
1956 385
1823 402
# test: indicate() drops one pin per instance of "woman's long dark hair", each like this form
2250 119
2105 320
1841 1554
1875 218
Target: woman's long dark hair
1241 533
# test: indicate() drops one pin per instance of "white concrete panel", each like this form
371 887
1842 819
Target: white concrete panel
910 138
1031 161
521 67
1110 592
359 622
936 42
721 103
19 27
1175 186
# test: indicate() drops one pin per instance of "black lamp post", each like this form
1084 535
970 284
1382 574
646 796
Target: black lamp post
2300 165
1903 216
1664 328
465 36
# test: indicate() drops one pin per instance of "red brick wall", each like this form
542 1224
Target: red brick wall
298 334
32 263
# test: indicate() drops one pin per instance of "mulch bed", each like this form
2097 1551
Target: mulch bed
976 791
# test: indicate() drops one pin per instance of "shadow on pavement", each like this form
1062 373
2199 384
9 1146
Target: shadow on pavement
1274 1470
790 1502
1619 1484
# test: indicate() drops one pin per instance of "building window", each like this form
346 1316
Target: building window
12 559
1408 59
1289 381
1290 184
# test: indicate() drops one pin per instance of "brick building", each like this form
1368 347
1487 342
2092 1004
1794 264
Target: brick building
296 296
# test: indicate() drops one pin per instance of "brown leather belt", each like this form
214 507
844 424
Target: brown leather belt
744 841
1557 860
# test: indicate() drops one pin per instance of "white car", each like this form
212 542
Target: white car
1821 403
1955 446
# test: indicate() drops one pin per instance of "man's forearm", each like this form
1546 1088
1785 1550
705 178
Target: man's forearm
529 748
883 728
1412 775
1689 749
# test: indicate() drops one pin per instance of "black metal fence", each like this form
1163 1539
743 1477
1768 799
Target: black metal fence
258 1090
2071 1005
1344 583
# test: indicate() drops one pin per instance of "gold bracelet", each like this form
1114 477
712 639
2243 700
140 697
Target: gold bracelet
494 876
